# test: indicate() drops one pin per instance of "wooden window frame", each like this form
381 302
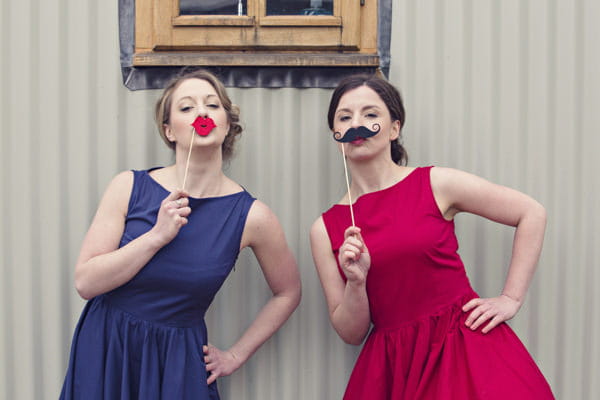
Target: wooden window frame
348 38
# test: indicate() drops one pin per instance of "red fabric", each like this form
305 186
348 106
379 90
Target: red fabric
419 347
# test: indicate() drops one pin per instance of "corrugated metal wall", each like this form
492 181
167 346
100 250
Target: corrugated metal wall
508 90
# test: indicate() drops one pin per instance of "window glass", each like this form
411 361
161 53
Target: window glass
299 7
213 7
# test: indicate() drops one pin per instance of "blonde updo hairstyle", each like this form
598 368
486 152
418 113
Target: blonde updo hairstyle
162 111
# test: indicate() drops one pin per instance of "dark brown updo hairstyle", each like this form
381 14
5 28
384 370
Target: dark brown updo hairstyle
390 96
162 110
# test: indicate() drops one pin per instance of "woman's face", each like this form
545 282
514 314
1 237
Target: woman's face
193 98
363 107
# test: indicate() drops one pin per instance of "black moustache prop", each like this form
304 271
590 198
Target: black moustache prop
362 132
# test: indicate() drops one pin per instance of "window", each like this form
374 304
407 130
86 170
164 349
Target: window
304 33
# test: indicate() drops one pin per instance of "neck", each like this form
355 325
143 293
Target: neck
204 174
372 176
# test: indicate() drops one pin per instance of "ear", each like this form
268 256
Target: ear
168 133
395 131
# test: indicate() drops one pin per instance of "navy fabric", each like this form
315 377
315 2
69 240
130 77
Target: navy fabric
144 339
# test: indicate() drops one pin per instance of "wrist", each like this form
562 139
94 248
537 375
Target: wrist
155 241
356 284
237 357
512 297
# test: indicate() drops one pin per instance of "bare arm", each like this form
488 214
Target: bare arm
458 191
347 301
264 235
102 265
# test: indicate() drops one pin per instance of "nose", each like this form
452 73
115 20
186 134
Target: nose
202 111
356 122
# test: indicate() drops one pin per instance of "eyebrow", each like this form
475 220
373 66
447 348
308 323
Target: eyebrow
362 109
192 99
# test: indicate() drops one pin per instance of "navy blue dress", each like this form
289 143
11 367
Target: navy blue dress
144 339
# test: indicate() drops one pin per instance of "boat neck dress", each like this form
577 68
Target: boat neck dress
143 340
419 347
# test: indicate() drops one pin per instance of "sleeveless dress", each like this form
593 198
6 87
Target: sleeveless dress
419 347
144 339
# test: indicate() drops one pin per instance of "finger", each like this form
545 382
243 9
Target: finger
356 241
183 202
212 377
472 304
364 248
352 248
482 318
476 313
174 195
206 359
351 231
358 246
205 349
493 323
350 256
184 211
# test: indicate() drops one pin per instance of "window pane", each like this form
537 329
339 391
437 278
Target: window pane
299 7
213 7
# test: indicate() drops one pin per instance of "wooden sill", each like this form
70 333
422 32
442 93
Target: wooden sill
233 59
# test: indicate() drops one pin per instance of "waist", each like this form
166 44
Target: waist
166 312
410 312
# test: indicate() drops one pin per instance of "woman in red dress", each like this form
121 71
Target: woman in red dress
398 269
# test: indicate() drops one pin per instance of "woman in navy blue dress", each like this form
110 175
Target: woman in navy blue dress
155 256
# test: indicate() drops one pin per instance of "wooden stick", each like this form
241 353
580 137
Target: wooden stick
348 185
187 164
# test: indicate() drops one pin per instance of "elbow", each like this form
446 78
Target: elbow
352 331
294 293
539 213
354 336
355 340
294 296
83 288
534 215
83 292
297 296
542 213
290 296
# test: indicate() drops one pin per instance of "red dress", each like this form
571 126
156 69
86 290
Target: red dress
419 347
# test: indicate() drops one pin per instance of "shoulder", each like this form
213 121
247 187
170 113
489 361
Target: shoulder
443 178
442 173
120 184
320 241
261 224
451 187
260 214
123 180
318 230
118 191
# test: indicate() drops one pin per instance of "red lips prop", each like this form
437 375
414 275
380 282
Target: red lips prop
203 126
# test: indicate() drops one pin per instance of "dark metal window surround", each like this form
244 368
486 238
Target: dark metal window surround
139 78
